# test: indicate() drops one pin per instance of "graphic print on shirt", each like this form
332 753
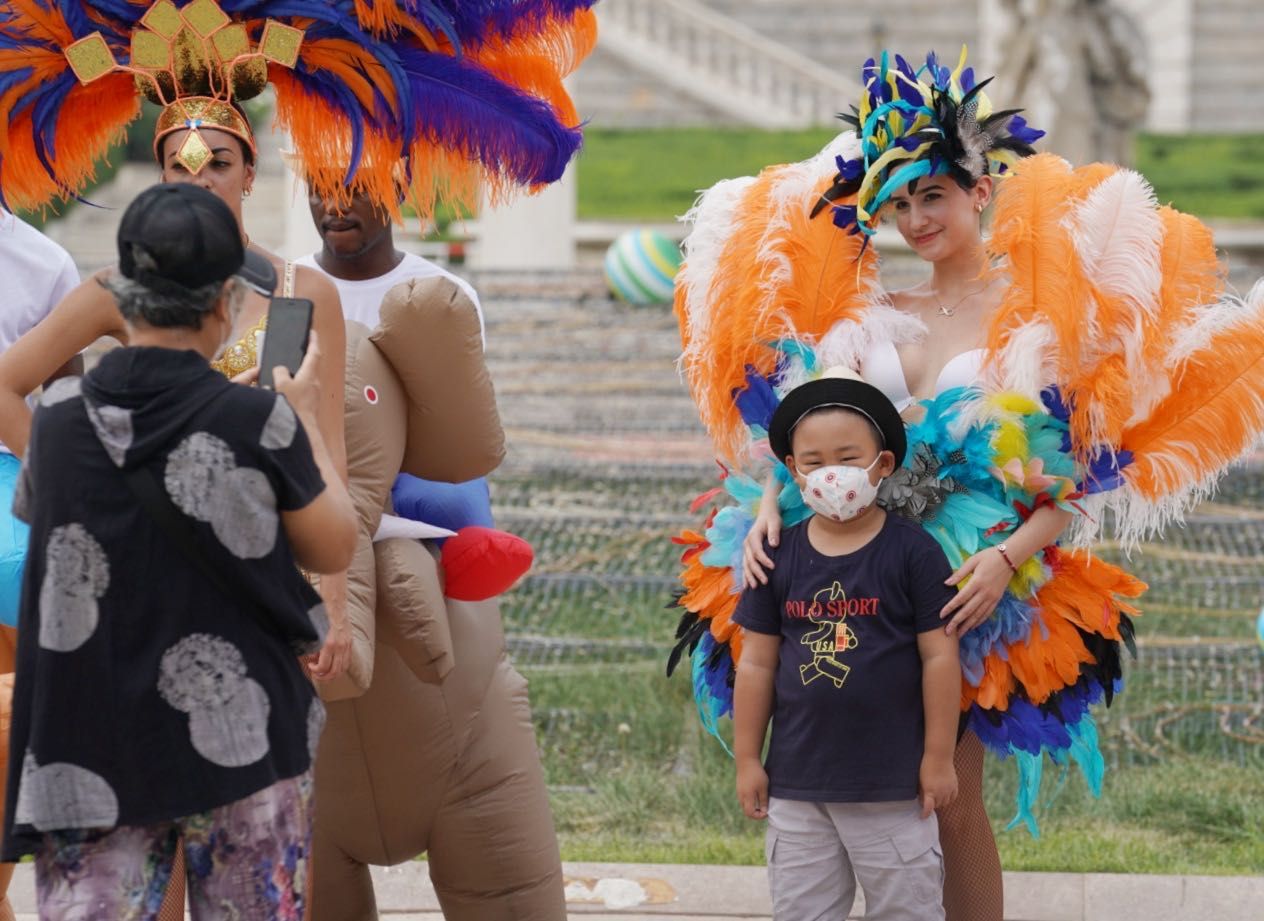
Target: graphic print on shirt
829 610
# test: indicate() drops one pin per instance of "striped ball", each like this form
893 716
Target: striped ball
641 266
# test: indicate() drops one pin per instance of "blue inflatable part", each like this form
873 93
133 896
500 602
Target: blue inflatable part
14 535
447 505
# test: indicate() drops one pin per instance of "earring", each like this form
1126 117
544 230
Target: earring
245 193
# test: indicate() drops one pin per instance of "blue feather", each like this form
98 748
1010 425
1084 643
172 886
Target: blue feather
1030 768
757 400
711 693
465 107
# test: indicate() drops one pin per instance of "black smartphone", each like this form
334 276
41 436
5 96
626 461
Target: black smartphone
285 337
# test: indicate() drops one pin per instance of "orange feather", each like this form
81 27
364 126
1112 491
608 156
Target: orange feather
1214 414
91 121
1050 659
753 305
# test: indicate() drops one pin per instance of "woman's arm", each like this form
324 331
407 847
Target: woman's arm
87 313
752 708
755 560
989 572
330 329
322 534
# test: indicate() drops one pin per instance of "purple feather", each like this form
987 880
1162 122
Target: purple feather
1019 129
756 401
465 108
845 217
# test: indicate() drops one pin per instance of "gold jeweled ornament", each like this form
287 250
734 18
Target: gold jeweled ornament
193 62
90 58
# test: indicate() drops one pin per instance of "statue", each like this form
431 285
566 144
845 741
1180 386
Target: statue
1080 68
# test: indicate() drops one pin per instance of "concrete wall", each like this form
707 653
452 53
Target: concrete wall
1227 79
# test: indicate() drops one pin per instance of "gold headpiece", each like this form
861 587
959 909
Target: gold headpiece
193 62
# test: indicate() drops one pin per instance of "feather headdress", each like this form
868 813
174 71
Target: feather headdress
914 124
468 93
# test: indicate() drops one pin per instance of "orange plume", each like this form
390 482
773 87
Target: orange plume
1216 410
779 272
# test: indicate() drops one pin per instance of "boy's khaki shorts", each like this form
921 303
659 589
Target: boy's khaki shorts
817 851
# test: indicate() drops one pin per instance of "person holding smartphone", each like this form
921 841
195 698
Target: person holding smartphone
160 698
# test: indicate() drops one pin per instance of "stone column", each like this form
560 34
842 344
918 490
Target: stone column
532 232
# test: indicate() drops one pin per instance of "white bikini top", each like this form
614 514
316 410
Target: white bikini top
881 367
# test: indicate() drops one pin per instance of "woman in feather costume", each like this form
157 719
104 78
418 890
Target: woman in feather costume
462 98
1084 358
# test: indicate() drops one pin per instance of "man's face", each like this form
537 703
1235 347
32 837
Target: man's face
351 230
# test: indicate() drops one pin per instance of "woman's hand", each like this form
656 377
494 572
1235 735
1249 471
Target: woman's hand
335 654
303 389
755 561
989 575
247 378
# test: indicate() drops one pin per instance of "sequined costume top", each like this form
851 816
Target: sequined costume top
244 353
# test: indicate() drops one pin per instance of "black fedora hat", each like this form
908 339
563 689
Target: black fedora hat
847 393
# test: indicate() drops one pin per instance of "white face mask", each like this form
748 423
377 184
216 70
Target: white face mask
234 314
840 493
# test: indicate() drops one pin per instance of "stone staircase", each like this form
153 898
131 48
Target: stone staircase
651 69
721 63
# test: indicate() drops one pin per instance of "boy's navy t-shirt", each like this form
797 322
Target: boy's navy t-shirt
847 721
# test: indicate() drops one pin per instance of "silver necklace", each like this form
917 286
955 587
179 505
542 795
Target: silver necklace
952 311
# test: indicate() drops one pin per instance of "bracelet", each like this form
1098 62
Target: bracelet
1005 557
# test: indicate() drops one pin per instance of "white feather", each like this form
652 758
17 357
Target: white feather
1118 233
712 218
1136 517
1027 362
794 190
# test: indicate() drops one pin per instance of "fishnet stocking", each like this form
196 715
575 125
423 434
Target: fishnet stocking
173 902
972 867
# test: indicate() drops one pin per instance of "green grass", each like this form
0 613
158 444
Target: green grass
1206 175
655 174
635 779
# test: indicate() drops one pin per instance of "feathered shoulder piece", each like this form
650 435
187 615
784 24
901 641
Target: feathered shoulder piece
1120 304
463 92
917 123
758 270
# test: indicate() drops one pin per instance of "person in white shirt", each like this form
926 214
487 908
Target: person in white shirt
37 274
359 256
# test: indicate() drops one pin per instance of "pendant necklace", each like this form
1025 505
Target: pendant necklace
952 311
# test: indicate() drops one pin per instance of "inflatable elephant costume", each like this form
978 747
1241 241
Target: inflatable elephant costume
429 745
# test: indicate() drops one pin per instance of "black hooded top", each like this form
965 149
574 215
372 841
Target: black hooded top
143 693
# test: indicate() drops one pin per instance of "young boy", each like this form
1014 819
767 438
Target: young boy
845 651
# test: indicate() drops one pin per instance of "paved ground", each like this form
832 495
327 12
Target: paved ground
664 892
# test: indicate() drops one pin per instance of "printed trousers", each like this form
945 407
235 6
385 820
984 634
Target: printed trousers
246 861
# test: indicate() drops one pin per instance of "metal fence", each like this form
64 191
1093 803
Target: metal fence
605 455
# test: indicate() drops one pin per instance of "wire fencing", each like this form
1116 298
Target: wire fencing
605 456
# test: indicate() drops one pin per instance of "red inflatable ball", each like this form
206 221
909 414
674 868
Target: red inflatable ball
480 563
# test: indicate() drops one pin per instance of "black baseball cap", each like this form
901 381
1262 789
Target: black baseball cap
192 239
845 393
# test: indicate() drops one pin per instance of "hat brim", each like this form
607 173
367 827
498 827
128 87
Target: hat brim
858 396
258 274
